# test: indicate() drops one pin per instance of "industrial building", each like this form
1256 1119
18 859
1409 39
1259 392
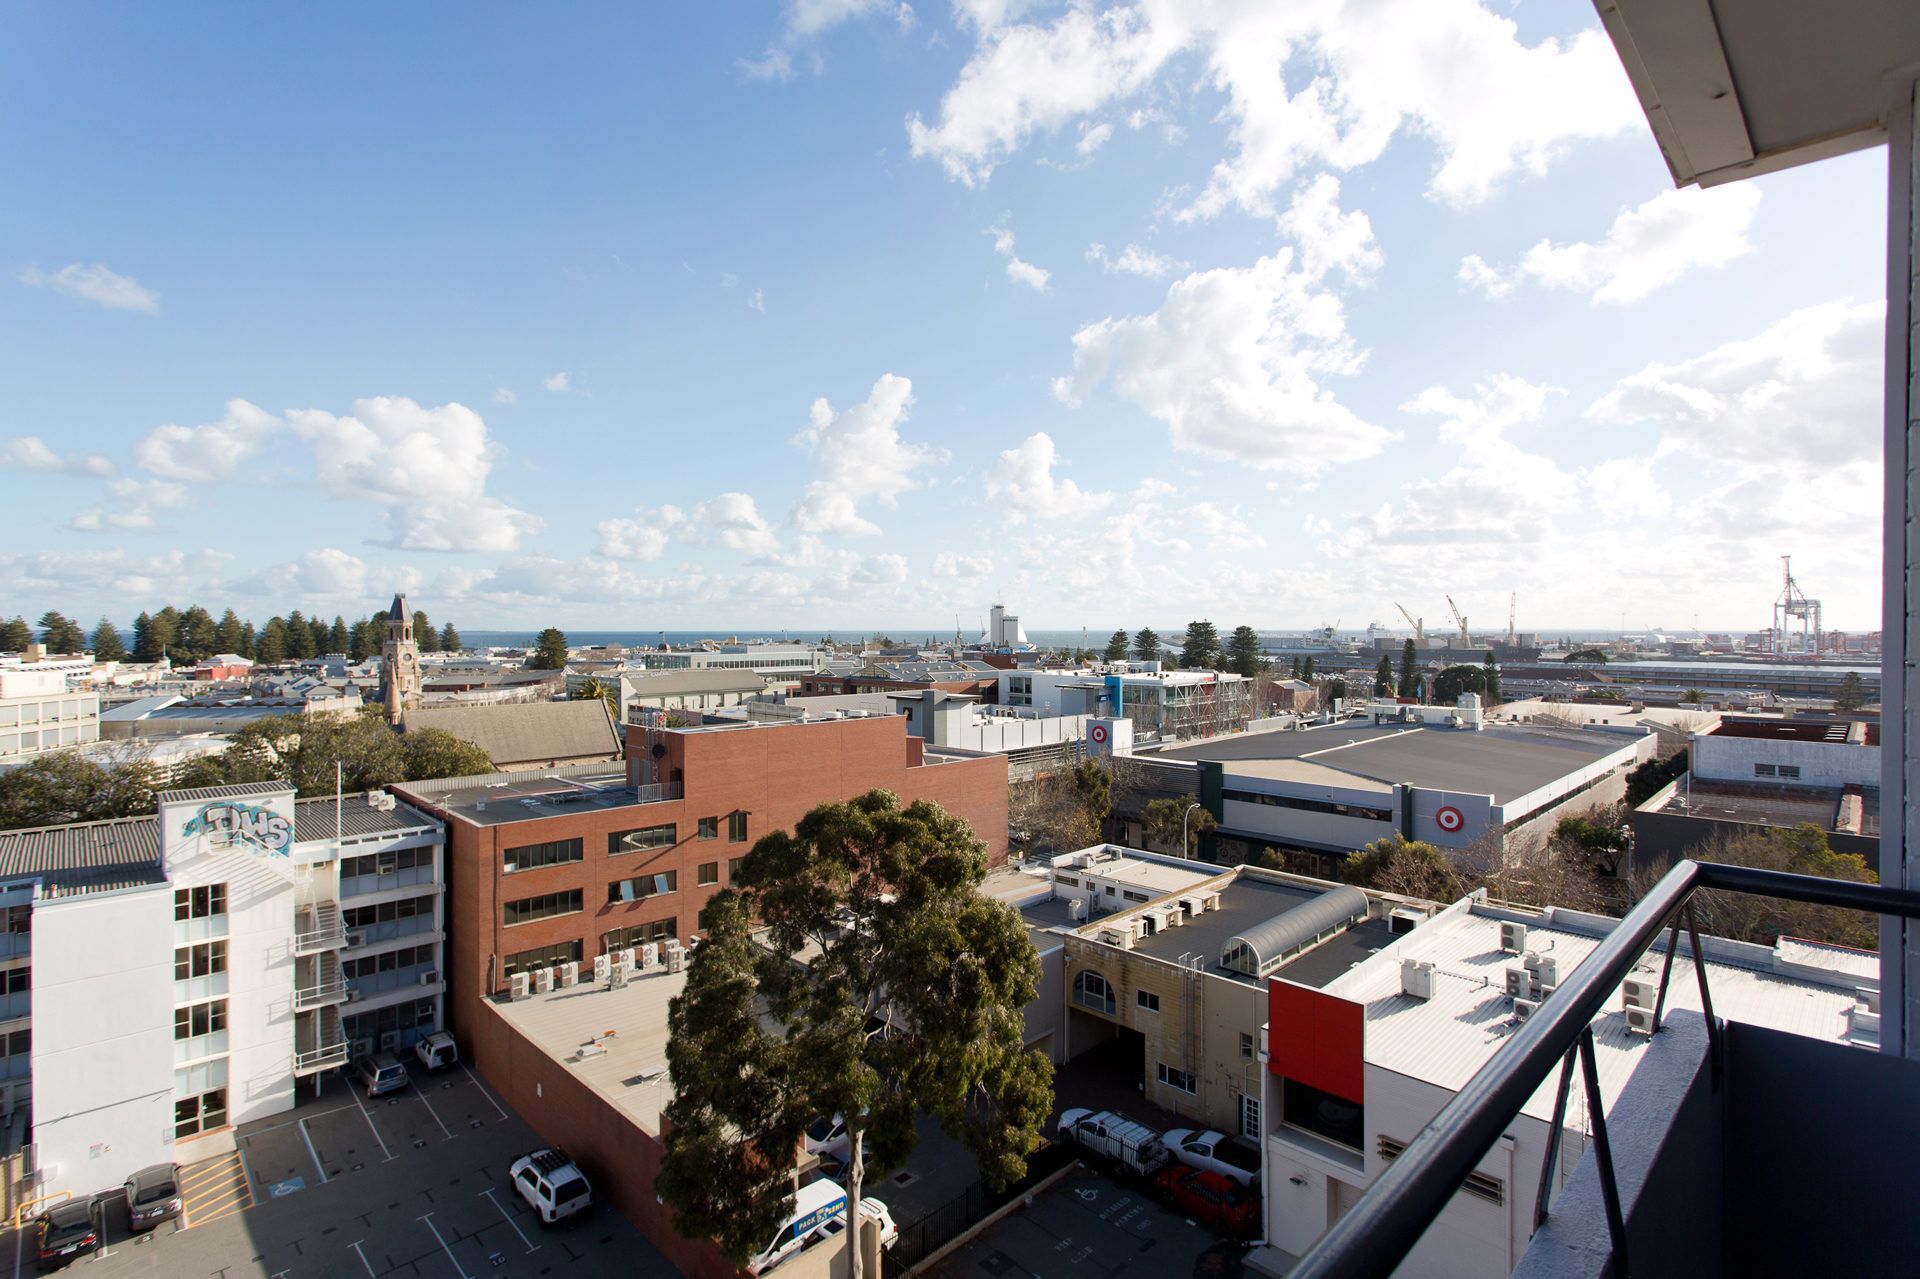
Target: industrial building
526 734
39 712
172 976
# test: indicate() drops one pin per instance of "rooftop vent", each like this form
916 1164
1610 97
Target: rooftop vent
1416 978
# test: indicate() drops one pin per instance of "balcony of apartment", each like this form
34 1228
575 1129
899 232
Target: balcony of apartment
319 1041
420 927
317 927
388 874
412 980
317 981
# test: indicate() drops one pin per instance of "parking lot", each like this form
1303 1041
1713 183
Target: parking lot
413 1184
1089 1225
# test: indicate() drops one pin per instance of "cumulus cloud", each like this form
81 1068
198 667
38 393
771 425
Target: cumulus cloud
1133 260
95 284
1645 249
886 569
1232 363
214 450
623 539
505 395
758 301
810 17
327 573
1019 271
774 64
1093 137
952 564
731 520
859 456
30 453
1022 482
427 466
559 383
133 508
1330 238
131 580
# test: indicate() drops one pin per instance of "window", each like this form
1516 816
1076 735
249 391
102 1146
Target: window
1109 890
1492 1189
386 962
195 1115
1068 880
709 873
737 828
1181 1079
17 1044
1090 990
640 887
630 841
1764 770
1250 1117
196 1020
709 828
1246 1044
1322 1113
566 952
533 856
201 902
659 930
1790 770
17 980
1362 811
545 906
1146 999
199 961
1132 896
391 862
733 869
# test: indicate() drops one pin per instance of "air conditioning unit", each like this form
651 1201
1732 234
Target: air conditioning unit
602 965
1077 909
521 986
1638 992
1640 1021
1547 971
676 960
1416 978
1121 937
650 955
542 980
570 973
1401 920
355 938
1519 982
389 1040
626 958
362 1047
387 863
618 977
1524 1008
1866 999
429 977
1513 938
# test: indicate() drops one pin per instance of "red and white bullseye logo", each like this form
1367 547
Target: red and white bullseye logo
1099 734
1449 819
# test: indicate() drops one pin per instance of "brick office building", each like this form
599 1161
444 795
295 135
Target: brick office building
566 864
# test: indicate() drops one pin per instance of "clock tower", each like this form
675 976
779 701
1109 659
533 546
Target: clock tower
399 662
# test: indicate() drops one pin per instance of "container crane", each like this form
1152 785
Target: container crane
1466 641
1419 631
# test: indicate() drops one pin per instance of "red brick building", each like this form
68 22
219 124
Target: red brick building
567 864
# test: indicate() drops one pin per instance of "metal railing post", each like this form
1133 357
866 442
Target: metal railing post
1603 1153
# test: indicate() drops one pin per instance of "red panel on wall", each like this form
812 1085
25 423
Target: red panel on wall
1317 1039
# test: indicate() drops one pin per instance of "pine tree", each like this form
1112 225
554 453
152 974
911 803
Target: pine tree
318 629
1293 667
299 636
1117 647
1146 645
270 648
450 640
1493 680
145 648
1201 649
337 635
229 636
59 634
166 628
1409 679
106 644
247 638
549 652
15 635
1383 677
362 641
199 636
1306 668
425 638
1243 652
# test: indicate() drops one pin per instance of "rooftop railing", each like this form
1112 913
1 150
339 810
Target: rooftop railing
1387 1222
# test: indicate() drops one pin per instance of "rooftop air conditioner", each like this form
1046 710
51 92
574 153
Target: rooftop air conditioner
1547 971
617 977
625 957
542 980
676 960
570 973
1401 920
1525 1008
1121 937
1519 982
602 965
1077 908
429 977
389 1040
1416 978
1640 1021
521 986
1513 937
650 955
355 938
1637 992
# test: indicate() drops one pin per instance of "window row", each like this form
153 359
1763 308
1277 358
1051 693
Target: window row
641 887
1329 807
371 1025
1790 771
202 960
556 852
545 906
1180 1079
386 912
195 1020
200 903
659 930
391 862
195 1115
387 962
525 961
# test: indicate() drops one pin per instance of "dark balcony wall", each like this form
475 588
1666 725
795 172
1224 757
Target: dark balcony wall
1821 1143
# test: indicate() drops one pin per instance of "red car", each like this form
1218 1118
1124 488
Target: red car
1211 1199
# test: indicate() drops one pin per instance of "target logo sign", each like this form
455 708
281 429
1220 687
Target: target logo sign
1450 819
1099 734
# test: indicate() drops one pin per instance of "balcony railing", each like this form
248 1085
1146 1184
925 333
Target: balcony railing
316 927
1381 1229
320 1042
321 983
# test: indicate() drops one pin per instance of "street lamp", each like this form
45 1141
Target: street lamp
1186 813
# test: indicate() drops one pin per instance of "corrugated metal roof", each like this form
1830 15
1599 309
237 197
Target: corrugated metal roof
519 734
1273 939
86 857
313 819
202 794
702 680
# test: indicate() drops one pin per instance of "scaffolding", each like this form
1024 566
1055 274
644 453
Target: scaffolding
1197 710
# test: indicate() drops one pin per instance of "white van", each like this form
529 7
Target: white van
820 1212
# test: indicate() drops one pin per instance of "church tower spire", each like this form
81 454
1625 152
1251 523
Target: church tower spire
399 662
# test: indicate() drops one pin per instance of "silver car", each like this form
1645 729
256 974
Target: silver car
380 1074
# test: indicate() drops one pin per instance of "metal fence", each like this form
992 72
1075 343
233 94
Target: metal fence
940 1225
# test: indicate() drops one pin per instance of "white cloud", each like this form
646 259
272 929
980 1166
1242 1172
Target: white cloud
1329 238
758 301
1496 405
1093 137
774 64
133 507
327 573
1232 363
985 15
558 382
1646 248
427 466
1450 70
1020 272
132 581
96 284
886 569
622 539
30 453
860 456
1134 260
952 564
212 451
731 520
1022 481
810 17
505 395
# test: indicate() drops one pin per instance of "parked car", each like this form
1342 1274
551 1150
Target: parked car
819 1213
153 1196
827 1137
1214 1152
64 1232
1130 1144
1211 1199
552 1184
437 1051
380 1074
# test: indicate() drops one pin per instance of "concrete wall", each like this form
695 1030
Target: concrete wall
1293 826
1045 1017
1732 759
102 1036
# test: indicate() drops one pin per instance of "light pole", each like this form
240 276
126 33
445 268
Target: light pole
1186 813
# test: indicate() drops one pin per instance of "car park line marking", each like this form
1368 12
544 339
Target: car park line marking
355 1245
319 1114
458 1269
487 1194
436 1114
376 1132
483 1092
312 1153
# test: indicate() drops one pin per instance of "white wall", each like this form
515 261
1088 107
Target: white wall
1299 825
102 1036
1821 763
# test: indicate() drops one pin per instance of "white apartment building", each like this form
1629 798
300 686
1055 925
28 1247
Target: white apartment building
779 660
39 712
170 977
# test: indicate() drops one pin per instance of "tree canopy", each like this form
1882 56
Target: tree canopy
911 1002
301 749
106 643
549 651
1243 652
188 636
1409 867
1383 677
1458 679
59 634
15 635
1146 645
1853 692
1409 685
1589 655
59 787
1173 819
1201 648
1116 647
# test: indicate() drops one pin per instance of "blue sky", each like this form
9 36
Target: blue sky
756 315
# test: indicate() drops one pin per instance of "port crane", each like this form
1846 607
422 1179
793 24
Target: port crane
1461 618
1419 631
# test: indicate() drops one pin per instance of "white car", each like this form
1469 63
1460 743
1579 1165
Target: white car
827 1137
552 1184
1214 1152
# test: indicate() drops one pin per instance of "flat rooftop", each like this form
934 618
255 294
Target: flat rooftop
1278 743
1758 805
1157 876
502 798
614 1041
1335 957
1801 987
1244 903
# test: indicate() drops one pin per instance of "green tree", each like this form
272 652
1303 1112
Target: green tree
199 635
1243 652
299 632
270 648
59 634
1174 819
593 686
338 637
1409 867
1648 779
1383 677
106 643
1146 645
15 635
61 787
549 651
1853 693
1693 697
1293 667
1590 656
1093 787
1800 850
321 634
1201 648
450 640
886 903
425 638
1332 690
1491 674
1117 647
1306 668
1455 680
230 635
362 642
433 752
1409 685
